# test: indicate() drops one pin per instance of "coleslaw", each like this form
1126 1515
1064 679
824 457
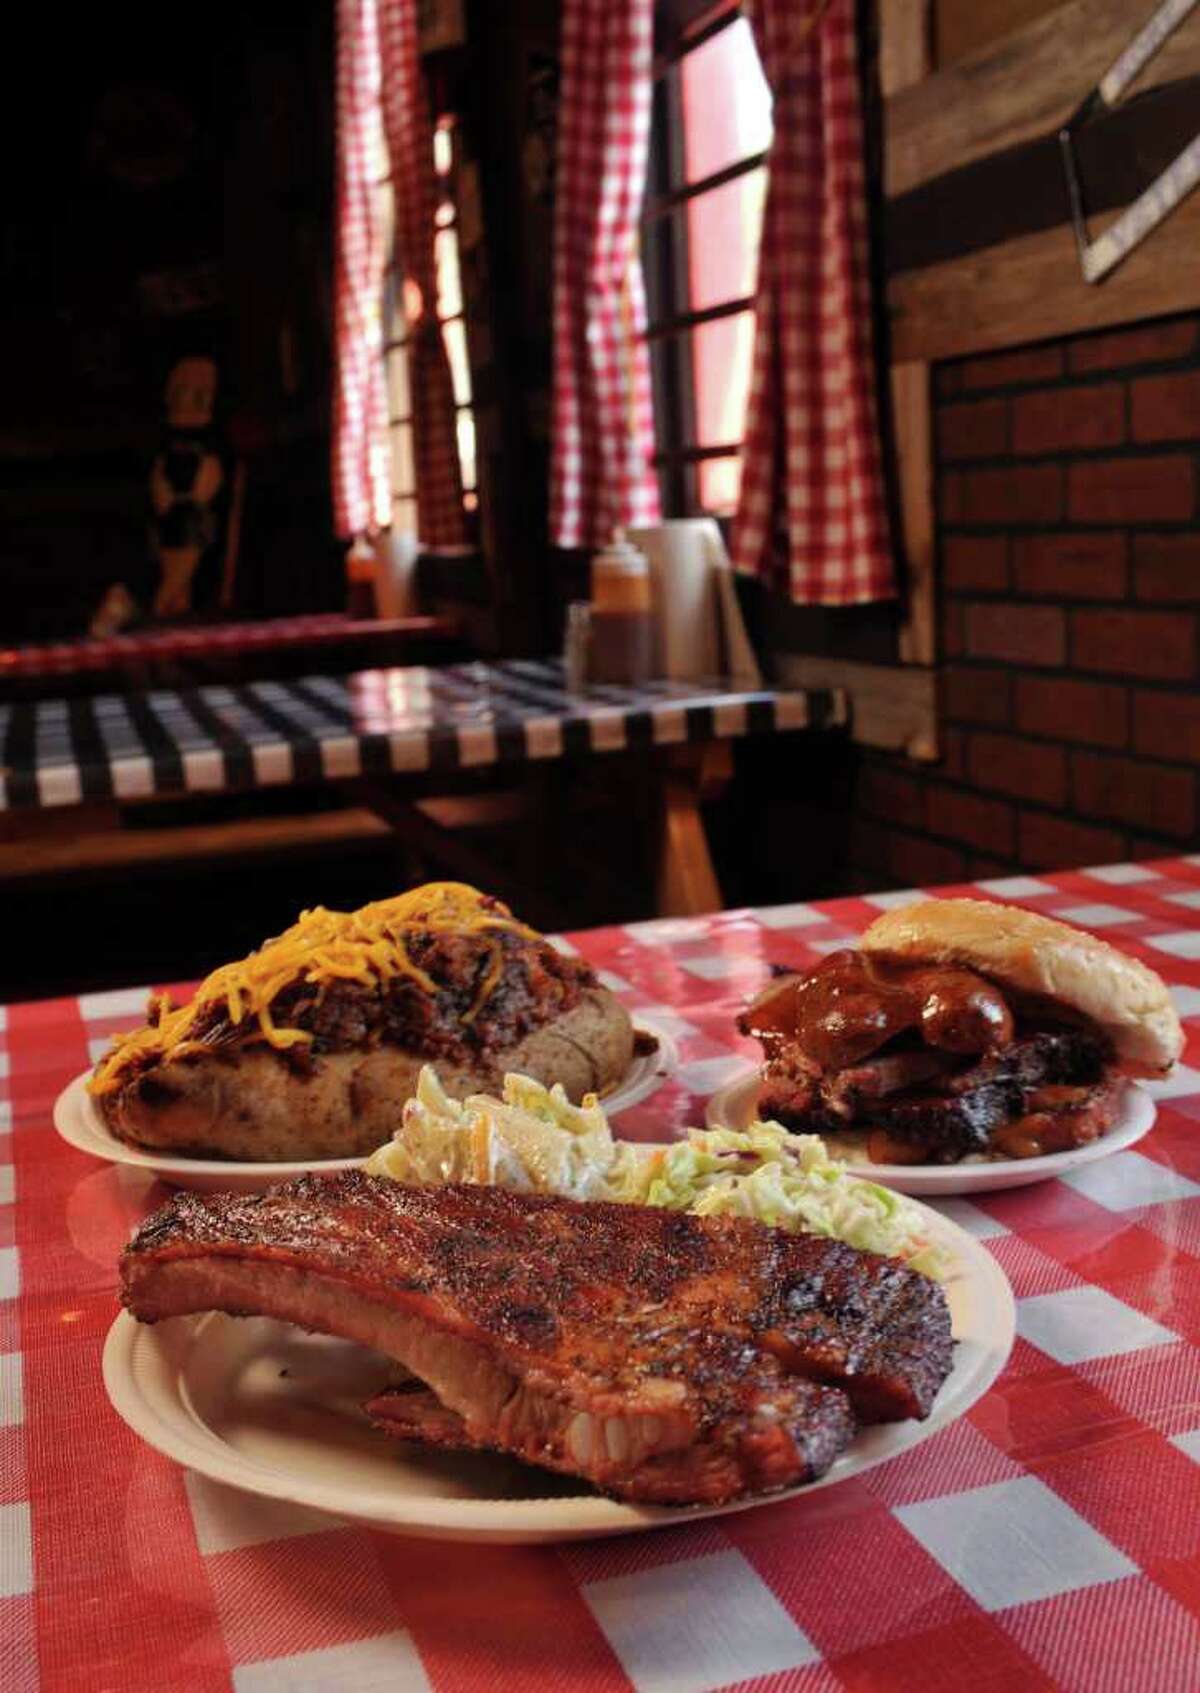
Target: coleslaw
532 1139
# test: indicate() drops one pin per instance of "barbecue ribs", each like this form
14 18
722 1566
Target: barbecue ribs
660 1356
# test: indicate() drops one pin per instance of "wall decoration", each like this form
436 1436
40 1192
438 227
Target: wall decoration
189 493
1100 257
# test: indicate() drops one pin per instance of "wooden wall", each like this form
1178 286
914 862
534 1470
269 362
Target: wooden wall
962 27
169 192
979 243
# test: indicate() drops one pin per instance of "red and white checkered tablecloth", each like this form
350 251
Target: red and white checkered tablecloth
1050 1539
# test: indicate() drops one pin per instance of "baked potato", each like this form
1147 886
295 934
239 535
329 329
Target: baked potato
308 1048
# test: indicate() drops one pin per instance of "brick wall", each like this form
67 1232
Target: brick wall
1068 487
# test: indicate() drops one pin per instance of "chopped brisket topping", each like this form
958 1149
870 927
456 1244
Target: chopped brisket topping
535 984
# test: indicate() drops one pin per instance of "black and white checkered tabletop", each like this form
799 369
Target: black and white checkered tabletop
374 723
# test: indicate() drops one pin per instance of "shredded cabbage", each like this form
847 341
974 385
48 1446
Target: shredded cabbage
533 1139
790 1182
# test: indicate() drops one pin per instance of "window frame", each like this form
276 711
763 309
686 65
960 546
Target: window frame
665 261
397 335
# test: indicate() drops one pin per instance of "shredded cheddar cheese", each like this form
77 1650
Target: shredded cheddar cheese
368 946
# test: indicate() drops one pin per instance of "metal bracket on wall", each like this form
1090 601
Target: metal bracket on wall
1100 257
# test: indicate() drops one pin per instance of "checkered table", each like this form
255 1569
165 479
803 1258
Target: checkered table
373 723
1050 1539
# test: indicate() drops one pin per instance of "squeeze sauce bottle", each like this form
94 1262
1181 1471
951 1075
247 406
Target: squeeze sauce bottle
622 637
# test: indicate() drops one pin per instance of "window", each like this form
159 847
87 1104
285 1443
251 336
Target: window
402 306
711 132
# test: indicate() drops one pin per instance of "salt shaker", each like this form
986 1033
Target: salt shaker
576 644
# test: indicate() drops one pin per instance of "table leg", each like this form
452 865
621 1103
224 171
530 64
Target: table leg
438 836
686 877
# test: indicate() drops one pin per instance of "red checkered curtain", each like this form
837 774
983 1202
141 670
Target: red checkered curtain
361 485
601 474
379 73
812 518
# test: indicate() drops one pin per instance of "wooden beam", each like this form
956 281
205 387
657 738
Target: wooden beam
1018 88
891 706
905 57
1021 190
686 882
905 44
966 26
1030 288
912 422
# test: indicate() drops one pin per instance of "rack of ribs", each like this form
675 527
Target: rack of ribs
657 1355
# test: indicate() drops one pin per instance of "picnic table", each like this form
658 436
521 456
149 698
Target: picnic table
378 734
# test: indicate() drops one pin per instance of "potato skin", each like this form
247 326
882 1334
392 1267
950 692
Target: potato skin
251 1106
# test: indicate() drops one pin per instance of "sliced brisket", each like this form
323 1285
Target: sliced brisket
965 1115
938 1064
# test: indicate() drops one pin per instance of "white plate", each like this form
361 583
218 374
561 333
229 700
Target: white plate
265 1407
735 1105
81 1125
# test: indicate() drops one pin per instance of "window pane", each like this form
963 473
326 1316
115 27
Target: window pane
723 230
395 322
385 216
412 301
399 397
380 457
443 150
726 102
404 516
449 282
456 351
403 479
721 356
719 481
466 448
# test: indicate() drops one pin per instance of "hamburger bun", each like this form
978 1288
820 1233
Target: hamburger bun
1038 955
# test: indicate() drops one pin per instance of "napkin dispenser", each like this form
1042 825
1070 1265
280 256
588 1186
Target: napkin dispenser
698 625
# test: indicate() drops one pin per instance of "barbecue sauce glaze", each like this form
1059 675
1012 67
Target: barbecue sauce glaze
852 1004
